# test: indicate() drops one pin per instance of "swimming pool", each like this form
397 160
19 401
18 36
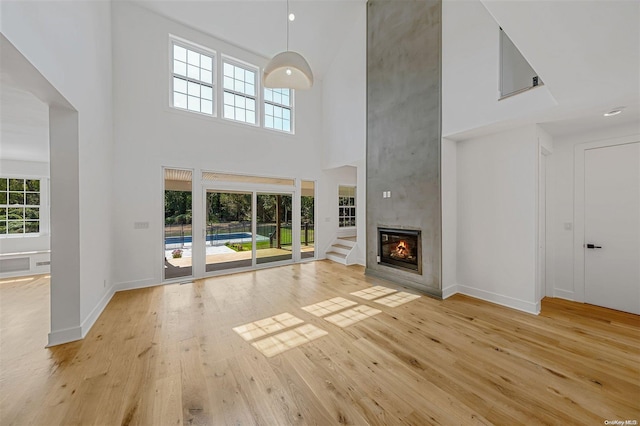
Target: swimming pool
215 237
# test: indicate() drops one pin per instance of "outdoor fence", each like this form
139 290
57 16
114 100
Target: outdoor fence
176 236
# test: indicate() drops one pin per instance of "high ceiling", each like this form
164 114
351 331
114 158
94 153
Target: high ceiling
24 126
260 25
586 52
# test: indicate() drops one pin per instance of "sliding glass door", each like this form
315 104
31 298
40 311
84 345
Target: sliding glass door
307 219
228 235
177 224
274 240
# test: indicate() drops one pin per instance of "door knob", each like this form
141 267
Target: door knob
592 246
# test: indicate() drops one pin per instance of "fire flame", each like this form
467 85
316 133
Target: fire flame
402 249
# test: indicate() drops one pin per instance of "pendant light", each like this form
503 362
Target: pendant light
288 70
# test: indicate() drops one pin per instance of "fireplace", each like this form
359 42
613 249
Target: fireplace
400 248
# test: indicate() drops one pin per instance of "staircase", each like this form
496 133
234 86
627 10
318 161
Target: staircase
341 249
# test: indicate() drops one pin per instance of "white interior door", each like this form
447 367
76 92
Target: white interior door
612 227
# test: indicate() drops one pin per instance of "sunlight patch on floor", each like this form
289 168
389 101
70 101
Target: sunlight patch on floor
352 316
281 342
397 299
373 292
262 327
329 306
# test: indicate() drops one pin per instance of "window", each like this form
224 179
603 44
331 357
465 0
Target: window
196 86
346 206
277 109
193 79
239 85
516 75
19 206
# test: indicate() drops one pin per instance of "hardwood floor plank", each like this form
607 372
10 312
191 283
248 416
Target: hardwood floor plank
167 402
168 355
195 403
228 403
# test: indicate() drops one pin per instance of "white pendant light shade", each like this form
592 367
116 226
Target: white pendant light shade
288 70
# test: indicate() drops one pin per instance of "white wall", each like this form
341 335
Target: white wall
449 191
496 211
328 209
344 126
560 203
69 43
150 134
361 213
344 108
470 72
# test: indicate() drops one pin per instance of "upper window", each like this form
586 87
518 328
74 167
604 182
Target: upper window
516 75
239 83
19 206
277 109
193 79
346 206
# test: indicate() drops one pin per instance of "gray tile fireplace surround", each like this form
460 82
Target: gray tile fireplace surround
404 133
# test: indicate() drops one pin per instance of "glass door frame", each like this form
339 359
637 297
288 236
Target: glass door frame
315 219
254 189
194 265
203 256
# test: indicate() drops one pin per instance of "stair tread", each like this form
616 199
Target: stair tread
341 246
336 254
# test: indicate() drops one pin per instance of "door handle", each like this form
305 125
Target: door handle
592 246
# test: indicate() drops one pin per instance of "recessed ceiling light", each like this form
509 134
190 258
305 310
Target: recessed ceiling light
292 16
613 112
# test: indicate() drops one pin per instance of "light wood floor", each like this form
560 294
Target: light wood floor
168 355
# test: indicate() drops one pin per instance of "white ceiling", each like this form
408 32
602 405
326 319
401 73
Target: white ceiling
24 125
25 96
260 25
586 52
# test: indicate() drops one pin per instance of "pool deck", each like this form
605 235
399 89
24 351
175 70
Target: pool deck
240 255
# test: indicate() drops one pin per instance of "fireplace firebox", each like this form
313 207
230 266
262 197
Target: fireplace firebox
400 248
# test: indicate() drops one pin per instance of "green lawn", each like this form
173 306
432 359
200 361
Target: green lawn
247 246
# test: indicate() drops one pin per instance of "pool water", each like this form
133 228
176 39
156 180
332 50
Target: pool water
215 237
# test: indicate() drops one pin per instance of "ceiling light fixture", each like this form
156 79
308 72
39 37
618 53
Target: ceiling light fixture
288 70
613 112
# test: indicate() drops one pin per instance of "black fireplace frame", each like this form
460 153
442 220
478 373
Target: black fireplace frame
404 266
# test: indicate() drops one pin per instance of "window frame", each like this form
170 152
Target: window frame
354 206
290 107
224 59
188 45
41 206
218 61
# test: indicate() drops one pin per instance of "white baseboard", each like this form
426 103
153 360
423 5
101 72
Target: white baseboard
509 302
563 294
132 285
67 335
449 291
72 334
91 319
